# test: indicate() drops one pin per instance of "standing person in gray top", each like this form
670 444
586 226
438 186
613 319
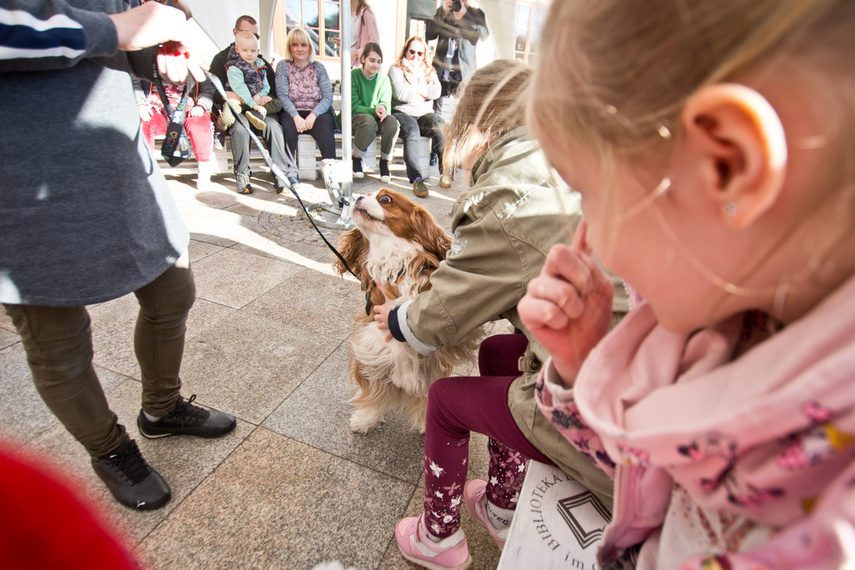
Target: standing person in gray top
86 216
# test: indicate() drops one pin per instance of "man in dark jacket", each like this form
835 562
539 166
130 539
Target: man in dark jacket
458 28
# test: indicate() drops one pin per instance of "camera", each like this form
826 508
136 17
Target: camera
456 6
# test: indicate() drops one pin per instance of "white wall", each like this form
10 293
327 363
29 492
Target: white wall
217 17
500 19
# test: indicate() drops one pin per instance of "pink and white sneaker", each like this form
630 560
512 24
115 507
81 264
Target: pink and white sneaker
451 553
475 497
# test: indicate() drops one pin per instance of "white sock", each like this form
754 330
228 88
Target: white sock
499 517
150 417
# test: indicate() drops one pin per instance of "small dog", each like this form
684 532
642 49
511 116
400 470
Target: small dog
398 244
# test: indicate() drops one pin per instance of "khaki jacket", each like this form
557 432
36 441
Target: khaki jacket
503 227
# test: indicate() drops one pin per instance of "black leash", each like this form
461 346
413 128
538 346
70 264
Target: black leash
177 138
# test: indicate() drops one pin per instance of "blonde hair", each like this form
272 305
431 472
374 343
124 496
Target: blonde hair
425 61
626 69
493 101
299 35
243 39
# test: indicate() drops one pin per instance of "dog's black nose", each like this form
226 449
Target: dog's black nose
358 200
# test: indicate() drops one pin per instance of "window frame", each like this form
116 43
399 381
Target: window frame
528 53
281 27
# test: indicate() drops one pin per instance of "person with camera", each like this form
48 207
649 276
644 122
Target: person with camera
459 28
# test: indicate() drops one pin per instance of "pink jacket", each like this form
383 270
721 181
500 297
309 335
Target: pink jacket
733 444
368 32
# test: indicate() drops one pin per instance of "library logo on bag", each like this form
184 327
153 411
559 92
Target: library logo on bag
586 516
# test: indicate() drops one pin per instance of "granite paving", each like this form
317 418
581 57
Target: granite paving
292 486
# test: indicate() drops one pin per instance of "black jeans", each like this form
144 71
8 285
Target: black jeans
428 125
323 131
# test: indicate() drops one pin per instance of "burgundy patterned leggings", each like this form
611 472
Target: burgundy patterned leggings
460 405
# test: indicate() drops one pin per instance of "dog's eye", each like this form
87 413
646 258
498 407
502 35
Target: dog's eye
385 199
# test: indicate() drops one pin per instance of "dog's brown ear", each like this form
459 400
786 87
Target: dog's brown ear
353 247
428 234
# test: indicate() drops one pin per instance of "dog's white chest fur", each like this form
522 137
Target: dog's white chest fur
388 261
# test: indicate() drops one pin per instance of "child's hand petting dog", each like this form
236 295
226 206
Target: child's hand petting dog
381 313
568 307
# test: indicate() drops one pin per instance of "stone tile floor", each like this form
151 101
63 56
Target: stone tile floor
292 487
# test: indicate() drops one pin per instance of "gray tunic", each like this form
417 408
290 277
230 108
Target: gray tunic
85 213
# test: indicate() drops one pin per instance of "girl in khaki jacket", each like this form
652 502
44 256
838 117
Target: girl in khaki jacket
503 227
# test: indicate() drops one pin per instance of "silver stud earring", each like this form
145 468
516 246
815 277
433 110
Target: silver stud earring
663 187
730 208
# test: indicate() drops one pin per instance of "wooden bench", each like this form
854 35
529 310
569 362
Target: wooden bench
558 523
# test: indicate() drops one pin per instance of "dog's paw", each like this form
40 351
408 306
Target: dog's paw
363 421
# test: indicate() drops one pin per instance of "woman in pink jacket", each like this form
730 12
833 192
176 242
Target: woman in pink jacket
714 148
363 29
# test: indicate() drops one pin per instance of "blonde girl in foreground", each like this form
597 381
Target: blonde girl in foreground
713 146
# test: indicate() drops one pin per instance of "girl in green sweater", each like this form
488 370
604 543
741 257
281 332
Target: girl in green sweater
371 105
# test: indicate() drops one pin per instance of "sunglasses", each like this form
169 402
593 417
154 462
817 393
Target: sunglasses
414 52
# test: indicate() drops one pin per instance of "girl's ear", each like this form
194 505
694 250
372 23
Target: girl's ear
740 143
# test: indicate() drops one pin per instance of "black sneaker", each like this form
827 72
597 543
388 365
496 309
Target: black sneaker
130 479
243 185
357 168
187 419
384 170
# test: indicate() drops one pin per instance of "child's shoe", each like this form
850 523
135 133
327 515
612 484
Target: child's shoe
475 497
449 553
384 170
357 168
256 118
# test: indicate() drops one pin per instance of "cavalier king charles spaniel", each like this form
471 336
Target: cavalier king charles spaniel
398 244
